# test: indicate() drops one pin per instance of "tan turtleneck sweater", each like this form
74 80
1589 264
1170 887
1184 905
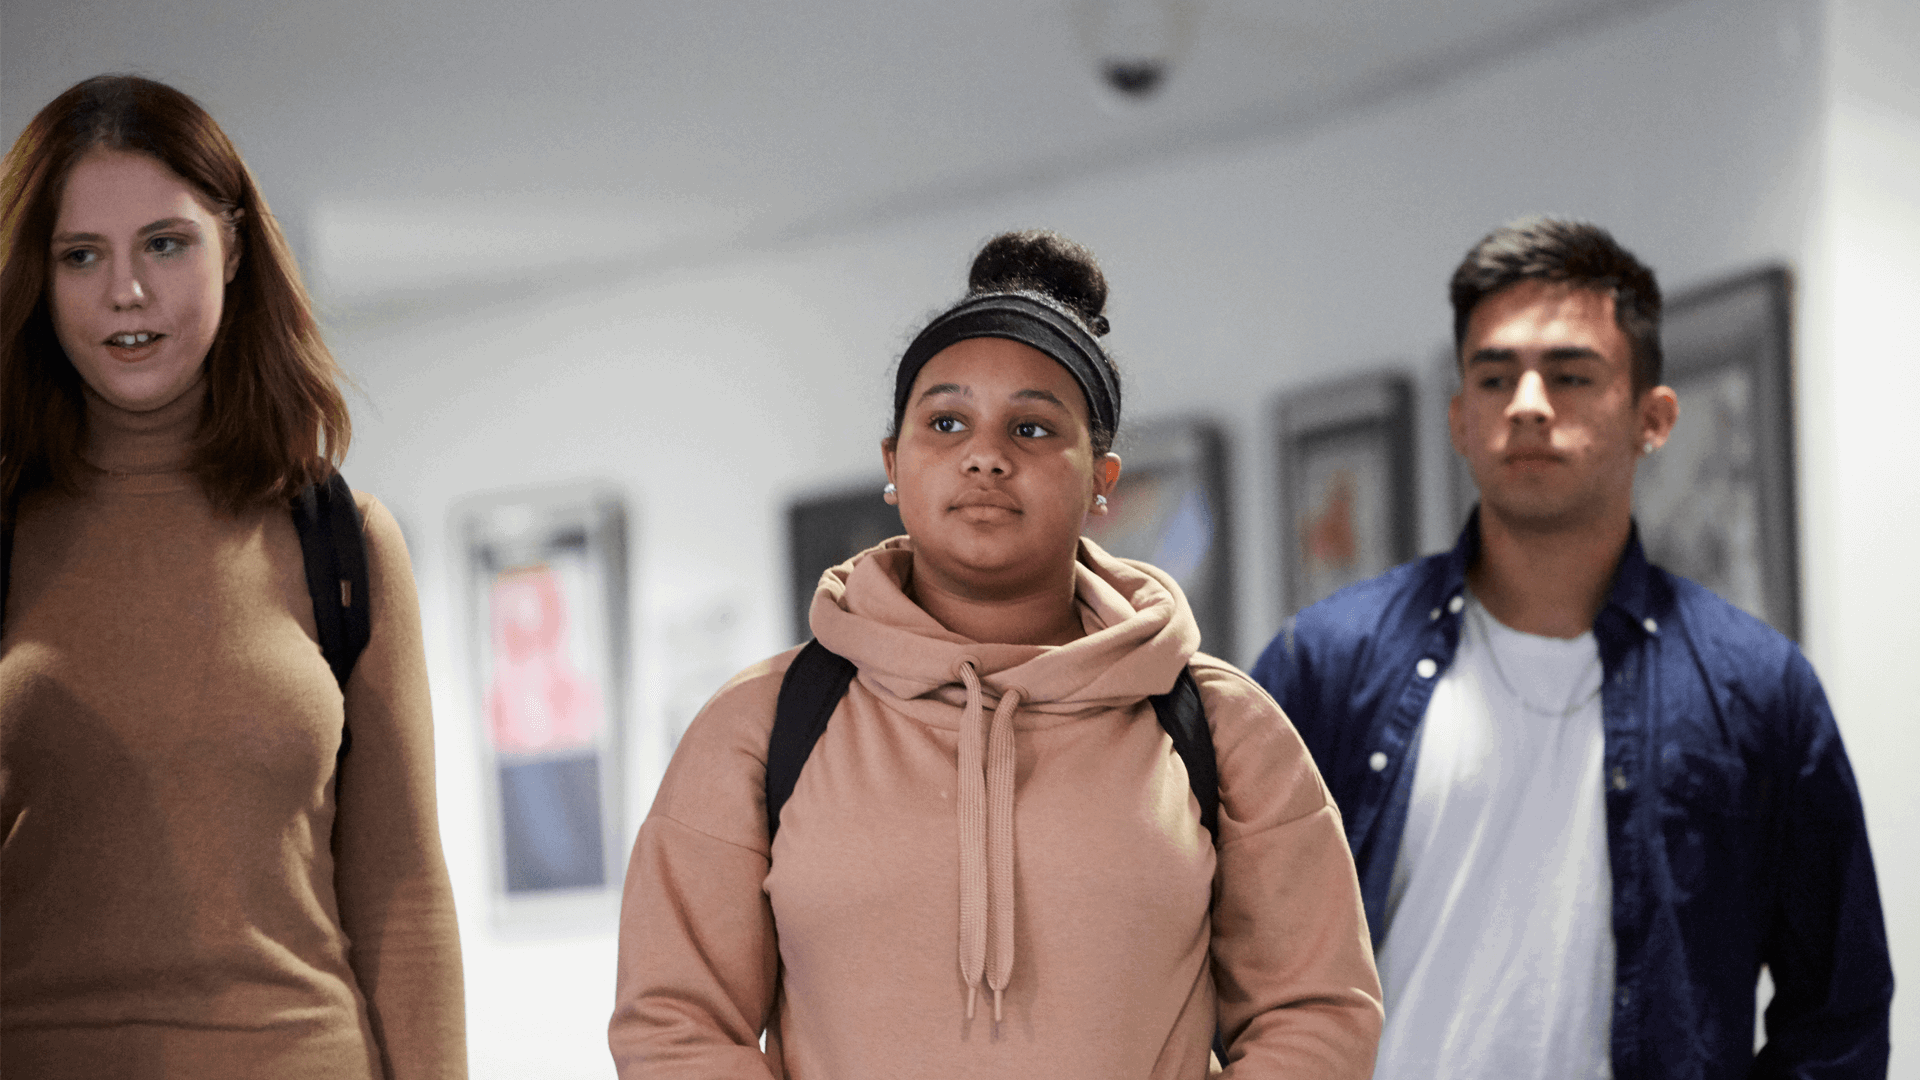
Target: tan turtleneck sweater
992 865
184 892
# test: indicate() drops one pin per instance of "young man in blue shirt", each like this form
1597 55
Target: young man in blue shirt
1588 800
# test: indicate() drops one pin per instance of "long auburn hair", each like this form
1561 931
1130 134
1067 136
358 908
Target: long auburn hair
274 419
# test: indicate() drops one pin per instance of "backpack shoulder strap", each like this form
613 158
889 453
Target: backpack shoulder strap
335 552
812 688
1185 720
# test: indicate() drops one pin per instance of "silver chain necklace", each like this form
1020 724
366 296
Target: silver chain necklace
1482 622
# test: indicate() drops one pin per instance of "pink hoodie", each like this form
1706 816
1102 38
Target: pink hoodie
993 866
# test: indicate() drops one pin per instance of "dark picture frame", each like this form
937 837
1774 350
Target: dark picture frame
548 634
1172 508
825 530
1717 503
1348 509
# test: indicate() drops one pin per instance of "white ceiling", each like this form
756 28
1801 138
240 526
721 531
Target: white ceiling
409 144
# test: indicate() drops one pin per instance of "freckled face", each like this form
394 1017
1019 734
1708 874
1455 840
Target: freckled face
137 275
1546 416
995 468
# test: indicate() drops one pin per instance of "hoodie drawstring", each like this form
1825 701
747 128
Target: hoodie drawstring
986 841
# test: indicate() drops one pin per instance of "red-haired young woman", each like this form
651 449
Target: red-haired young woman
194 880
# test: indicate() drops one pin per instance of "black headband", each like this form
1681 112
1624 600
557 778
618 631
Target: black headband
1030 321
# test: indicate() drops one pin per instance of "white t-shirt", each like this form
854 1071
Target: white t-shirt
1498 957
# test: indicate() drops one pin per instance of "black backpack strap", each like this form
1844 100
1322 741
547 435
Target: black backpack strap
1185 720
335 552
811 690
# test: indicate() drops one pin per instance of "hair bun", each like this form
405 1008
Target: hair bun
1037 260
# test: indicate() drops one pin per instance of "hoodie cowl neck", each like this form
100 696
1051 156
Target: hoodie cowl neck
1140 633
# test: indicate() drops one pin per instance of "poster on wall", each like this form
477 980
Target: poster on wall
1170 509
547 588
826 530
1716 503
1348 508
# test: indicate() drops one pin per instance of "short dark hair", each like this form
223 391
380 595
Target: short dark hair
1577 253
275 420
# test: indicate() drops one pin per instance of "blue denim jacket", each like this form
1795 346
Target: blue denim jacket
1734 828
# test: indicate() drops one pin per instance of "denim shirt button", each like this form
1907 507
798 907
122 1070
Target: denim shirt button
1619 779
1624 997
1378 761
1432 615
1652 627
1454 605
1426 667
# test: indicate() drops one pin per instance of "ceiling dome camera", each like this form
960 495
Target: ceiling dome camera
1135 78
1135 43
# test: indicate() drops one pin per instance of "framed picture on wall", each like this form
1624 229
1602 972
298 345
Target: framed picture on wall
1347 502
547 586
826 530
1716 503
1171 509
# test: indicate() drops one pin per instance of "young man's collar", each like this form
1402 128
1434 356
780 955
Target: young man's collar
1631 579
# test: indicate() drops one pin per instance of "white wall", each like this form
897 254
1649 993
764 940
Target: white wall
713 394
1860 380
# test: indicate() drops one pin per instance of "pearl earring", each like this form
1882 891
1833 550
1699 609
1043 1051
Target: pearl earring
1647 447
889 491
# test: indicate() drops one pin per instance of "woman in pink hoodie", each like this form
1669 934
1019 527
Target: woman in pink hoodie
994 787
